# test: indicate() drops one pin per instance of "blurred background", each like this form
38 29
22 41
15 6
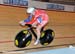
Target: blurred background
66 5
69 2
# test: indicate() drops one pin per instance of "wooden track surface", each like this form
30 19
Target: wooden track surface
63 23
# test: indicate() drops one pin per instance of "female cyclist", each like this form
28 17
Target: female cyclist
40 19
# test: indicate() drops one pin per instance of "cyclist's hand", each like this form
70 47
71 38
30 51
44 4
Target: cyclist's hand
22 23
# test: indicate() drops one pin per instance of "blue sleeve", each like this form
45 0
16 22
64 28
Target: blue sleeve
39 19
28 19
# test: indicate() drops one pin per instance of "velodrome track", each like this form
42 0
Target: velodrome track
63 23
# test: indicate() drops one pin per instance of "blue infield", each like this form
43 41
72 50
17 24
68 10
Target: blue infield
56 51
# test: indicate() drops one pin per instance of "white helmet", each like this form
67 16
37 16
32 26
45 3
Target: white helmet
30 10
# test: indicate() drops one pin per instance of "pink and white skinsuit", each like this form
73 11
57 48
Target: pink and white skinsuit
40 16
40 19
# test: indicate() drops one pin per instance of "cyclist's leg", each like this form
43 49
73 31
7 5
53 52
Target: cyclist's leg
38 29
35 24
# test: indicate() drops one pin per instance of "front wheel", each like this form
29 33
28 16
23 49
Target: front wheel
23 39
47 37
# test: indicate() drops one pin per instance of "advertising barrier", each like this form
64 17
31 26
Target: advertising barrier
42 5
50 6
55 6
16 2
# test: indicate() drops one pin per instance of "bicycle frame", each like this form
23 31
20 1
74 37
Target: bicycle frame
31 29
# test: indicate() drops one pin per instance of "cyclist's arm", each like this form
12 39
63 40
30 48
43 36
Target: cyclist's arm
33 20
28 19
